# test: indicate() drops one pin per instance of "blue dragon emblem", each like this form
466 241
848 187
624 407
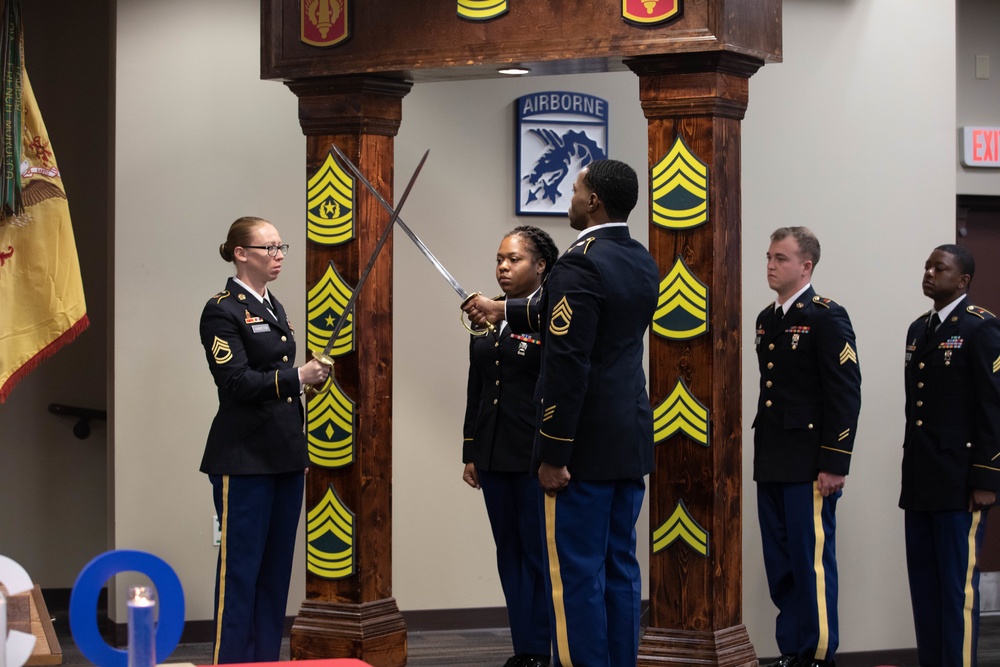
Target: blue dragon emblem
567 153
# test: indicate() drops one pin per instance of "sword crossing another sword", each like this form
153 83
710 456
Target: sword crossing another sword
466 296
324 356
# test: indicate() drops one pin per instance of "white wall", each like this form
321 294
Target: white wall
978 99
853 136
200 141
828 142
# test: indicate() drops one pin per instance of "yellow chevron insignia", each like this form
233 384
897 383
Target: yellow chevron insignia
330 205
682 311
220 351
330 538
681 412
324 306
561 316
481 10
681 526
330 428
848 354
996 364
549 413
844 435
680 189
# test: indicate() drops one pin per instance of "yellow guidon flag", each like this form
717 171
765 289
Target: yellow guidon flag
42 307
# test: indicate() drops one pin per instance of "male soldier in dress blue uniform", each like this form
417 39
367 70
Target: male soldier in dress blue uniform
594 437
951 457
807 416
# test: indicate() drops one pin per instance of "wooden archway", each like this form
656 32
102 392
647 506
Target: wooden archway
694 72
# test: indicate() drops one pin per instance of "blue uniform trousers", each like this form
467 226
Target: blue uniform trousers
512 504
941 550
259 515
798 532
594 579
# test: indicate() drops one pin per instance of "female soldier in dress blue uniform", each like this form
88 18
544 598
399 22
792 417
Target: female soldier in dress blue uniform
499 429
256 451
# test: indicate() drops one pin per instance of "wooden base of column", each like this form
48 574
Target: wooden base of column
730 647
372 631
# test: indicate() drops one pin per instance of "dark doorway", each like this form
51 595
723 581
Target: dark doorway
977 227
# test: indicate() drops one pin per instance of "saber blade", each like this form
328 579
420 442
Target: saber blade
342 320
402 225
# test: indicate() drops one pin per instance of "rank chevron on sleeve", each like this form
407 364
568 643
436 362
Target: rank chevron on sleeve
848 354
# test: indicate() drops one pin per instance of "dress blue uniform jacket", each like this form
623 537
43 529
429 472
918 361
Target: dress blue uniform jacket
500 409
258 428
597 303
952 440
810 391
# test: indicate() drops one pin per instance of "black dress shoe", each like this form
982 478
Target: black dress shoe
527 661
534 661
786 661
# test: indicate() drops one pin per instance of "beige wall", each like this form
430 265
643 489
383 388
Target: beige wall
828 142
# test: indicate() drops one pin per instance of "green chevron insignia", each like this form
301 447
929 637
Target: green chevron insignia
681 412
330 205
324 306
330 538
681 526
330 428
682 311
680 189
481 10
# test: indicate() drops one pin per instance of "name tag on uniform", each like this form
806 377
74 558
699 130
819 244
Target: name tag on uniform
261 328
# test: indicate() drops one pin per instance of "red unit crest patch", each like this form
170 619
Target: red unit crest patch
650 12
324 22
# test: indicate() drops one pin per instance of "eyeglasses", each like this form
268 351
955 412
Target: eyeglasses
272 250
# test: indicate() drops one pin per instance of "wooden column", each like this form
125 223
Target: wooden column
349 610
694 104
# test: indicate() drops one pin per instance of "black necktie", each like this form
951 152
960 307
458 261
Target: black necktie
933 324
267 304
778 314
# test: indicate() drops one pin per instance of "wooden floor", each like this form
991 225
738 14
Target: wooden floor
491 648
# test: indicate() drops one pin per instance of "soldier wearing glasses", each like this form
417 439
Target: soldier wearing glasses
256 453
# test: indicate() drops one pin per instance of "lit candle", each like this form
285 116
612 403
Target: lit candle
141 627
3 630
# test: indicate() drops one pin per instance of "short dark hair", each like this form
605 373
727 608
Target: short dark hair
615 184
808 243
966 262
541 244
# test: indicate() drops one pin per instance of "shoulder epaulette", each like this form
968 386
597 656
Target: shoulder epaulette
221 295
981 313
823 301
585 243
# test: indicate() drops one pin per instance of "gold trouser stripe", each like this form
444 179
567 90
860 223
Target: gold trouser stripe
823 643
562 637
277 389
222 568
967 646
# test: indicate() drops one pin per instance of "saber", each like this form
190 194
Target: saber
421 246
324 356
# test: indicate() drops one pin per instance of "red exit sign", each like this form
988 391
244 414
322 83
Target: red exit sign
981 146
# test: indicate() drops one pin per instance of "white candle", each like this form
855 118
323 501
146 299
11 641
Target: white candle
3 630
141 627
